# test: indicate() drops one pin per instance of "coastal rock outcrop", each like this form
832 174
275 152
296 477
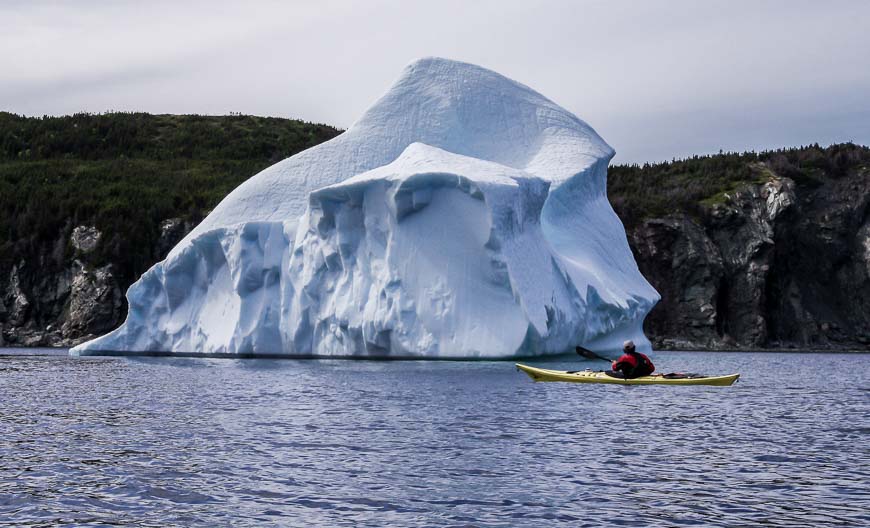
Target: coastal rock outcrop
774 264
94 305
63 298
676 255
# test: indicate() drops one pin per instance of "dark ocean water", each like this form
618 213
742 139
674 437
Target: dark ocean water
187 442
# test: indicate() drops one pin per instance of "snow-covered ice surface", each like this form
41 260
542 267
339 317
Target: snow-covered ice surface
464 215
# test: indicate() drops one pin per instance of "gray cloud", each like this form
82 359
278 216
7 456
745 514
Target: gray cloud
657 80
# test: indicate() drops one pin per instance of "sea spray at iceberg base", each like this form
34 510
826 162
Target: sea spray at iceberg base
464 215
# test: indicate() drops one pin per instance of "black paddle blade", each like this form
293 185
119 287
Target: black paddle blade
588 354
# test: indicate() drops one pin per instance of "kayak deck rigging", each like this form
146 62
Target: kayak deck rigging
590 376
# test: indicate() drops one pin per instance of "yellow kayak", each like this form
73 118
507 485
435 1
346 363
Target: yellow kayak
589 376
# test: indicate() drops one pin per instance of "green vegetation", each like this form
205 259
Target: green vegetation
126 172
157 137
697 183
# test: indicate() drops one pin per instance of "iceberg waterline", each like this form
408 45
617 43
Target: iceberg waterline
464 215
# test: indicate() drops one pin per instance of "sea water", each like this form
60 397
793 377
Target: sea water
209 442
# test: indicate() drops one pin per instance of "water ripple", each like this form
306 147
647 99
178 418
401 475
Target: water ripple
185 442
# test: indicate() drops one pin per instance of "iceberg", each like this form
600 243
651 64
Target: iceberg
463 216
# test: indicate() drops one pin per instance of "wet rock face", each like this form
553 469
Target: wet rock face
774 265
684 265
85 238
743 231
821 297
17 299
94 302
27 303
712 272
63 298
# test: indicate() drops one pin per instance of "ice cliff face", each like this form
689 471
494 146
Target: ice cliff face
464 215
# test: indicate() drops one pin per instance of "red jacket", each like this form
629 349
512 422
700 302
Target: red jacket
634 365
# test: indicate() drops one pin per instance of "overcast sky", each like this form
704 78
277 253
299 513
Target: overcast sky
656 79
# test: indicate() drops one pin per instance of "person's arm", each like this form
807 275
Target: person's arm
621 367
619 364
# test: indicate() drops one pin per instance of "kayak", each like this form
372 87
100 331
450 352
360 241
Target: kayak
591 376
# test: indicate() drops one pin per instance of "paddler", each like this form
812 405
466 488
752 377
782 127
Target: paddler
631 364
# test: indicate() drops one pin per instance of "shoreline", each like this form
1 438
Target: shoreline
7 351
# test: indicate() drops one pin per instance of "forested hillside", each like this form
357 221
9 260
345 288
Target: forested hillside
695 184
124 173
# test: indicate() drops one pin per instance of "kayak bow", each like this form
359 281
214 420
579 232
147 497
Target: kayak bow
589 376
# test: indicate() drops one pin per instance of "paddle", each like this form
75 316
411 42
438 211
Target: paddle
588 354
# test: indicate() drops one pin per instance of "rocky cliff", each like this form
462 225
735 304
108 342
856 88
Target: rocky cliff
773 263
63 298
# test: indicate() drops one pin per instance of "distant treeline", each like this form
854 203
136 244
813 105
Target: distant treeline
159 137
691 185
126 172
